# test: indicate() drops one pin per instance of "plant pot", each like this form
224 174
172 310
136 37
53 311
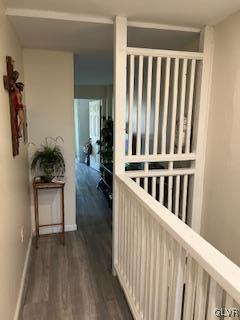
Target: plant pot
48 171
47 179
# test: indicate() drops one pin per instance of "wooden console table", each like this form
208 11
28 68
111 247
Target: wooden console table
45 186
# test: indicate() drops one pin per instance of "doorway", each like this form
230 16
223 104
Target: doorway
94 132
87 117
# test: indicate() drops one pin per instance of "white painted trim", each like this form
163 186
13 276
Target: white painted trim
149 25
161 157
164 53
23 280
56 15
120 63
218 266
130 301
54 229
201 132
160 173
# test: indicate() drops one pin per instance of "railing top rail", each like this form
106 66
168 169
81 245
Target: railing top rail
218 266
164 53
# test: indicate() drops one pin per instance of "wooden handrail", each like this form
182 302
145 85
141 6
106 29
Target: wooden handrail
217 265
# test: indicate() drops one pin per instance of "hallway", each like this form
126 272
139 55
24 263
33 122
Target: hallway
75 281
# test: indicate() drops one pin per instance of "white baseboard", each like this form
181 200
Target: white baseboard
54 229
23 280
70 227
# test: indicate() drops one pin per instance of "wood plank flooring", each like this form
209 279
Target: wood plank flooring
74 281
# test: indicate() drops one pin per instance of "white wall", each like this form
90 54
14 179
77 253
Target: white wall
49 96
222 176
14 187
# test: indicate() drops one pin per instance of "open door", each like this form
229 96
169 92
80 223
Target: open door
94 132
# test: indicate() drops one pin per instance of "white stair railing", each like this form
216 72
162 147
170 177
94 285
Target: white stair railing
167 270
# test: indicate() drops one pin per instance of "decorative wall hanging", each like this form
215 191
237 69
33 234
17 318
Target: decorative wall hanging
17 109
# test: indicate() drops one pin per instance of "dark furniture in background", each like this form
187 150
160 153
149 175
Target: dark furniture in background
106 181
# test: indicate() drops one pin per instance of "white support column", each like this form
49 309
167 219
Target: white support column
200 134
120 45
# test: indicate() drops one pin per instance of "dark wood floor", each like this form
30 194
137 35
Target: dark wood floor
74 281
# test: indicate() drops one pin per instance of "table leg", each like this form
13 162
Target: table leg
63 218
36 216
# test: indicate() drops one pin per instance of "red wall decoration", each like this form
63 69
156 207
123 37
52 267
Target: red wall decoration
17 109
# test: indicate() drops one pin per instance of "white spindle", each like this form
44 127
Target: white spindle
180 273
182 106
189 290
131 97
146 184
176 282
164 276
126 243
154 187
120 223
131 231
143 262
165 106
123 234
174 109
157 276
229 302
173 264
213 299
147 264
138 253
201 294
190 106
177 189
184 197
148 105
152 260
157 105
139 114
135 239
161 190
170 187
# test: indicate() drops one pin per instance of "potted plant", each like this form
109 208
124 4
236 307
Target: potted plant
106 141
48 161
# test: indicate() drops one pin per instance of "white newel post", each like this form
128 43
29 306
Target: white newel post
120 45
200 135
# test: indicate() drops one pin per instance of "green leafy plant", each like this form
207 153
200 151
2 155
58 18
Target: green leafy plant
48 161
106 141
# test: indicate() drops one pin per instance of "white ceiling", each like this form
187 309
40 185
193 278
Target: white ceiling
93 42
183 12
91 38
75 36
